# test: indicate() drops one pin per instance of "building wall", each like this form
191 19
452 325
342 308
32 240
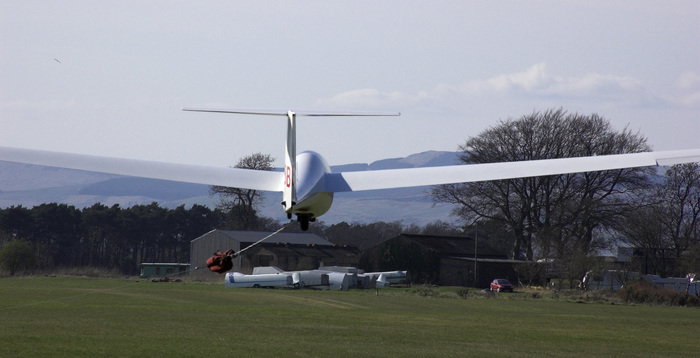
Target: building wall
460 272
398 254
426 265
148 271
295 258
265 256
206 245
456 273
289 257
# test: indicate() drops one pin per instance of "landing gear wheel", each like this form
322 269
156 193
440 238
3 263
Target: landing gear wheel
304 221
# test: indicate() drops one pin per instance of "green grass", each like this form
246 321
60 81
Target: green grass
72 316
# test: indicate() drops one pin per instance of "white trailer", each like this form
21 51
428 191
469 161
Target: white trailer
320 278
339 280
352 272
612 280
386 278
382 281
679 284
237 279
313 278
262 270
305 278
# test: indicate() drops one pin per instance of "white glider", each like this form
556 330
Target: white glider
307 183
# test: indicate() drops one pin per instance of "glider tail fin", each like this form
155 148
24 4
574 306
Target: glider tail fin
289 197
290 165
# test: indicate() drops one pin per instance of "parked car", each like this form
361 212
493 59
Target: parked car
501 285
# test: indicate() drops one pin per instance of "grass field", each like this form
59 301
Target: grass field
74 316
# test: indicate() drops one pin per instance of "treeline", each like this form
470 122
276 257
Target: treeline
54 235
107 237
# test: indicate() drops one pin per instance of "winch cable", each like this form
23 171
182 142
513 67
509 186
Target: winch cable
255 243
265 238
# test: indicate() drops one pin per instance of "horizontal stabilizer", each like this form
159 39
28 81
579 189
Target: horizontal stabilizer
284 112
678 157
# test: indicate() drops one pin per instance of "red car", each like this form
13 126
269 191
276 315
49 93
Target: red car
501 285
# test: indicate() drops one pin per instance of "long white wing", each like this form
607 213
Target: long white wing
346 181
399 178
239 178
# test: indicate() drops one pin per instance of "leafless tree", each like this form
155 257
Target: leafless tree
680 204
667 229
559 215
242 204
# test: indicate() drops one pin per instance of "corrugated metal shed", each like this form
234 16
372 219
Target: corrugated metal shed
206 245
249 237
295 257
457 246
173 270
444 260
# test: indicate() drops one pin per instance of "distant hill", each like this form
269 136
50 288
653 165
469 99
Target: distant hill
426 159
30 185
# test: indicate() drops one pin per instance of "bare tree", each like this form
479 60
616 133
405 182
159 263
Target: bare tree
643 229
680 203
242 204
559 215
667 229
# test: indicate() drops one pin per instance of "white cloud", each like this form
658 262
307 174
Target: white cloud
689 81
689 99
536 81
532 79
687 90
595 85
371 97
533 87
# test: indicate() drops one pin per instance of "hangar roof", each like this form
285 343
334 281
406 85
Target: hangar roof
456 246
249 237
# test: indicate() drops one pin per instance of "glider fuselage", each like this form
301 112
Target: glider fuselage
312 198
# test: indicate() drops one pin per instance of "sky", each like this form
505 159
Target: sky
110 77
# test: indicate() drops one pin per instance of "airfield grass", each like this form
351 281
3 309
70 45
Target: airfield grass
81 316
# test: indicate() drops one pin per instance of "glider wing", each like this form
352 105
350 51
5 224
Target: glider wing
399 178
230 177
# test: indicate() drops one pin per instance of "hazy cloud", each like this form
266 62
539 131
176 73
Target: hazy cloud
49 105
535 83
688 81
687 90
532 79
372 97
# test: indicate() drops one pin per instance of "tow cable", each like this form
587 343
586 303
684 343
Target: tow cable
222 262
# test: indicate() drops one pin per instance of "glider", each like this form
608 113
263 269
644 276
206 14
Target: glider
307 183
